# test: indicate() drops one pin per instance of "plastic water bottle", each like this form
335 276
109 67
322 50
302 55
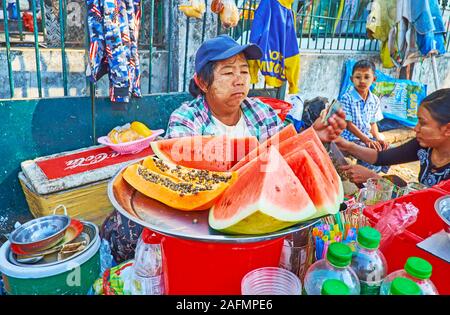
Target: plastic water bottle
334 287
416 269
368 262
106 259
336 265
147 278
404 286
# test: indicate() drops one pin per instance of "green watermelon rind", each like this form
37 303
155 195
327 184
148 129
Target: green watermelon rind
261 218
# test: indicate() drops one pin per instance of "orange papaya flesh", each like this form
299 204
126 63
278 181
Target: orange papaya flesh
178 194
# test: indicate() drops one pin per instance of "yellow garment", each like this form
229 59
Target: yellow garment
379 23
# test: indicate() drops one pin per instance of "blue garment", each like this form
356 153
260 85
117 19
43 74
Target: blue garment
273 30
113 31
427 19
361 113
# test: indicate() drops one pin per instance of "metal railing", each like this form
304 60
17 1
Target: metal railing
321 25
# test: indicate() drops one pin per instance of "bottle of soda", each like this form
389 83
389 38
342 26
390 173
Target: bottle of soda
334 287
336 265
404 286
147 278
418 270
368 262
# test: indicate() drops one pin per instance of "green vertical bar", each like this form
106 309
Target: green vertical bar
301 25
150 49
62 10
90 84
359 35
36 48
242 23
204 21
43 20
319 18
8 50
160 19
249 21
19 20
169 66
353 34
327 19
186 47
310 22
346 35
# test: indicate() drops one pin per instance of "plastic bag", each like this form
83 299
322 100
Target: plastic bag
216 6
229 15
394 221
116 280
194 8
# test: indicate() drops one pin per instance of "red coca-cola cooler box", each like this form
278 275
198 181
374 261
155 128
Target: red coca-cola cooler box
428 223
76 179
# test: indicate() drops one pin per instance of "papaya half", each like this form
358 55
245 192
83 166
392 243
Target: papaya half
176 186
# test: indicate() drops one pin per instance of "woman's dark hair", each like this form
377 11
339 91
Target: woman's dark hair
438 104
206 74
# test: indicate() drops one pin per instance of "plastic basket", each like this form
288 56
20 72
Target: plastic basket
131 147
404 245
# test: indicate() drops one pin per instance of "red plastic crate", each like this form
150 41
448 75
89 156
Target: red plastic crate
404 244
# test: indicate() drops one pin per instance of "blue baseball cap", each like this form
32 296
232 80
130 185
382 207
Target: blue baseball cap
223 47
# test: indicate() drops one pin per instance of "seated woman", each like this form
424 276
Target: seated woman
221 106
220 86
431 146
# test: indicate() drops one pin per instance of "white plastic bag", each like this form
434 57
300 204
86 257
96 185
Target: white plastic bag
229 15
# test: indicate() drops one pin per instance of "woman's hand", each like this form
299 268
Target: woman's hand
358 174
343 145
336 124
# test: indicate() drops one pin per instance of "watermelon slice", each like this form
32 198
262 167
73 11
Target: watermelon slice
265 198
314 182
277 138
213 153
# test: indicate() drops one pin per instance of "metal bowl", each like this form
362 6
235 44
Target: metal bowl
442 206
39 234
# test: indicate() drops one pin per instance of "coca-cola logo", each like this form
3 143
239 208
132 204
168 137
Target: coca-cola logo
90 160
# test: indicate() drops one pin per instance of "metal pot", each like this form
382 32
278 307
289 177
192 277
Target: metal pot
442 207
39 234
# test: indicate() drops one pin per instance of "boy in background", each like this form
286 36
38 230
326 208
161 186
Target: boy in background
363 111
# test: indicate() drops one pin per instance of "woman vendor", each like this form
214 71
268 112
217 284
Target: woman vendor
221 106
220 86
431 146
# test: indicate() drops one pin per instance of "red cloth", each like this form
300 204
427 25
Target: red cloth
86 161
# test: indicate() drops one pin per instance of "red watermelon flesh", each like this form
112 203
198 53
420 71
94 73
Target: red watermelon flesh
265 198
214 153
276 139
314 182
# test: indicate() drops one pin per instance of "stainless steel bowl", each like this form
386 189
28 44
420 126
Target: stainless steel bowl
39 234
442 206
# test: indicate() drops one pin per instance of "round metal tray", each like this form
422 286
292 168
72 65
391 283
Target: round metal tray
192 225
90 233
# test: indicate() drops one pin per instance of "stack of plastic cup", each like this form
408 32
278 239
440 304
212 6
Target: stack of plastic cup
271 281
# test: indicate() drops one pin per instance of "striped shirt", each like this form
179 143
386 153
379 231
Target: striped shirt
361 113
195 118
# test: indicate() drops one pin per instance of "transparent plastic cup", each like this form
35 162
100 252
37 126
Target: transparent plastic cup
376 190
271 281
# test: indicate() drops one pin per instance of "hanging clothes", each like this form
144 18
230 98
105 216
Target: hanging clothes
430 27
114 32
273 30
379 22
402 37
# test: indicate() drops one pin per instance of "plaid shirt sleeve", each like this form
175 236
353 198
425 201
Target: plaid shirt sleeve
347 106
182 123
263 118
377 113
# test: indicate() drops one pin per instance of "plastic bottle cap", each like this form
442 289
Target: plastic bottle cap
335 287
339 255
404 286
418 268
151 237
368 237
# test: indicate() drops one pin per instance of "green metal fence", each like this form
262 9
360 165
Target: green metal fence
322 25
